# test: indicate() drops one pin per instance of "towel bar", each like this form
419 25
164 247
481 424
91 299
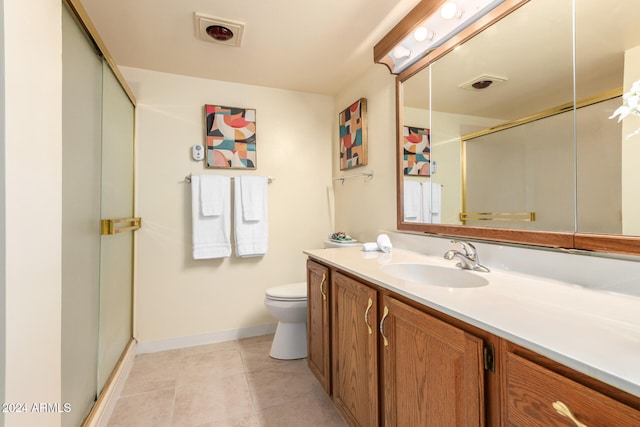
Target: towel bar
497 216
188 179
367 176
108 226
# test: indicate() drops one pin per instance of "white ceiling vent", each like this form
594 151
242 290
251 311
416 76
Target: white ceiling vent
483 82
218 30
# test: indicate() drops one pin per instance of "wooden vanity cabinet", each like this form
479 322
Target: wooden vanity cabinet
354 341
318 323
536 396
432 371
394 362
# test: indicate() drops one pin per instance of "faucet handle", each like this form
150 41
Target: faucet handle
468 248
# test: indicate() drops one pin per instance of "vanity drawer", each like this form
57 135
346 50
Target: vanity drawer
531 391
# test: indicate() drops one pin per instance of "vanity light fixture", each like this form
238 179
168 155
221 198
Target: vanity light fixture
439 23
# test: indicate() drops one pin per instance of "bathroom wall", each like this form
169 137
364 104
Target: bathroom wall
180 301
32 201
631 152
362 207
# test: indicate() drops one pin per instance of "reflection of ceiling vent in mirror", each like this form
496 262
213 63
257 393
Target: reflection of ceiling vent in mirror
218 30
483 82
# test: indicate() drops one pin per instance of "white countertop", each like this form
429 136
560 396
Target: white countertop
592 331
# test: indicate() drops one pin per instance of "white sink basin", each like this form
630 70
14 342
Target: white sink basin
432 275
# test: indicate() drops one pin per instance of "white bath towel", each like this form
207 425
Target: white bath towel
251 236
213 191
432 202
412 201
211 234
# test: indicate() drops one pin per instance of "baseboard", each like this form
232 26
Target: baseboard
102 410
203 339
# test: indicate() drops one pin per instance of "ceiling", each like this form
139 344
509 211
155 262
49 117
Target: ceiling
309 46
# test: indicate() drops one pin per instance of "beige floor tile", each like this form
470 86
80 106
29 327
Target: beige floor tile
221 346
218 400
151 409
312 411
278 386
203 367
230 384
155 371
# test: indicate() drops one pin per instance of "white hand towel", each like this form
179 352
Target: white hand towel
412 201
213 190
251 236
253 191
211 234
370 247
384 243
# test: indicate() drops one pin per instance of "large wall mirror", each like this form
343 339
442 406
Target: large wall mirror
507 136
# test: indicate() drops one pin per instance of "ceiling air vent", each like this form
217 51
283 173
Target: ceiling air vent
218 30
483 82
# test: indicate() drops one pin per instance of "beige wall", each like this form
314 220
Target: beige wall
362 208
175 295
631 152
33 206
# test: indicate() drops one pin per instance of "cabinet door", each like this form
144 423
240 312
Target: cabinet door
354 348
318 325
532 390
433 372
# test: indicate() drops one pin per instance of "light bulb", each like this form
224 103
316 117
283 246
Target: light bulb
450 10
422 34
401 52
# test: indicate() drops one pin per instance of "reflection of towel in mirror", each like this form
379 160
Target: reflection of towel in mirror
432 202
412 201
211 233
250 217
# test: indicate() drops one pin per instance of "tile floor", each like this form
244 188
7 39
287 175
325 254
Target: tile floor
231 384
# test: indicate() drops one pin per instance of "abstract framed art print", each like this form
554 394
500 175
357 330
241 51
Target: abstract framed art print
353 135
416 151
230 137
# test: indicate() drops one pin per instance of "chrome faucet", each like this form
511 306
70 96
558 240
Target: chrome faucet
468 257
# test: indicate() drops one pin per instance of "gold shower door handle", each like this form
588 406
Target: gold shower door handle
109 227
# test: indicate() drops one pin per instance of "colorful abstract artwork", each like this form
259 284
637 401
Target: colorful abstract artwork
417 151
353 135
230 137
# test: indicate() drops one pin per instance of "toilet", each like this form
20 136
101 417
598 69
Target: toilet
288 304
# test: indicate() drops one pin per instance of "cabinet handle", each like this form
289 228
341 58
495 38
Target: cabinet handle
366 315
384 316
324 294
563 410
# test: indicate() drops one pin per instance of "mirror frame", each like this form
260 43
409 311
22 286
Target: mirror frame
571 241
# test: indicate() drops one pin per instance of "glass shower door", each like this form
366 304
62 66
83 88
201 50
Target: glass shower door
116 241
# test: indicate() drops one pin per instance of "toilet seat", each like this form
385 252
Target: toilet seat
292 292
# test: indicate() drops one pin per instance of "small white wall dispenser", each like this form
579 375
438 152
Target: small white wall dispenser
197 152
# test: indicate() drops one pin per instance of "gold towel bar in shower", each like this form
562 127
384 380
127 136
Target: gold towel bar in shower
108 226
497 216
